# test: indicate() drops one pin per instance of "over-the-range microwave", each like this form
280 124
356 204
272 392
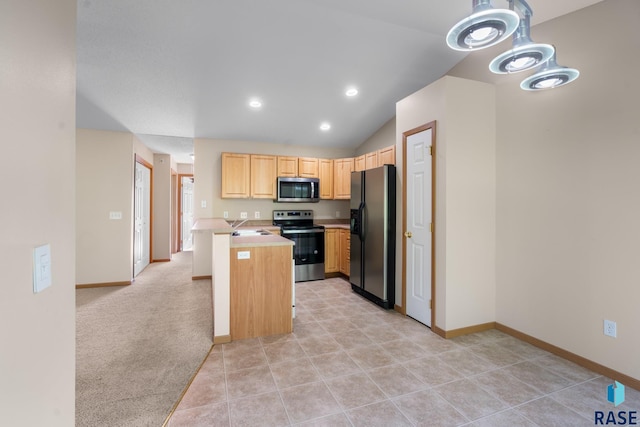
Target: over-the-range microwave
298 189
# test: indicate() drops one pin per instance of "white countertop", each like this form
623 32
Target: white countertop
212 225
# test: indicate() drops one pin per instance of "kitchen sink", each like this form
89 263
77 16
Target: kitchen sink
245 232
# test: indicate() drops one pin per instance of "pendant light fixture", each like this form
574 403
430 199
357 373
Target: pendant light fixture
525 54
550 76
485 27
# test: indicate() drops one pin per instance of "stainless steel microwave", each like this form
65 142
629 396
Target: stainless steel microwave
298 189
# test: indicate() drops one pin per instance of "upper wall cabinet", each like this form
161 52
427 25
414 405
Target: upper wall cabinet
325 167
387 156
360 163
287 166
308 167
236 176
371 160
263 176
342 169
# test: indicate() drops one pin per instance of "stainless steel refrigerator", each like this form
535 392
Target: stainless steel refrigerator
373 230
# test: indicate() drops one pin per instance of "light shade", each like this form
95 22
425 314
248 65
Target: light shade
485 27
524 55
550 76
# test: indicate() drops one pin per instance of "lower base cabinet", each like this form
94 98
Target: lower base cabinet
345 251
331 250
261 291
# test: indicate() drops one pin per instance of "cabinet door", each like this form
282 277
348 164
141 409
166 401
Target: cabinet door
345 250
387 156
263 176
360 163
235 176
287 166
331 250
260 292
325 175
308 167
342 169
371 160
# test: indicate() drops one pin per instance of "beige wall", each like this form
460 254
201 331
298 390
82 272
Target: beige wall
465 195
383 137
207 166
161 207
567 192
184 168
37 331
104 183
104 162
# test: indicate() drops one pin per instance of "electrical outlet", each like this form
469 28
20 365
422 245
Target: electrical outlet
225 214
203 203
243 215
256 214
610 328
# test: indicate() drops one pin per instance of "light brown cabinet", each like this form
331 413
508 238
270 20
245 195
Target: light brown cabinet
325 175
236 176
371 160
342 169
287 166
345 251
387 156
263 176
331 250
360 163
308 167
260 292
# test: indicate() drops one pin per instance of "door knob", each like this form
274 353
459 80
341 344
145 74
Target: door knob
407 234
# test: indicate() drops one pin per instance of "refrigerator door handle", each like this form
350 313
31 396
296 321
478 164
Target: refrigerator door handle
363 220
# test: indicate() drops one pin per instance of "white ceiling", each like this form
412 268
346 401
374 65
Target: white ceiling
170 70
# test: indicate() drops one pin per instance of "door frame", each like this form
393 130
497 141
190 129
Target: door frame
431 125
180 176
143 162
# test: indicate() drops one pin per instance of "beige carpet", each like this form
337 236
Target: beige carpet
138 346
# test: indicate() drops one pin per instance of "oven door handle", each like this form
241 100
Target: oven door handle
302 231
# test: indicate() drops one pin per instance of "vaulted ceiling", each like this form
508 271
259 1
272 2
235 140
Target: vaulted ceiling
170 70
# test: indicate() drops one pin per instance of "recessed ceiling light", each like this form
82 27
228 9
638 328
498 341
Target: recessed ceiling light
352 91
325 126
255 103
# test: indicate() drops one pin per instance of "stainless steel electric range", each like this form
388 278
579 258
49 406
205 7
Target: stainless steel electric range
308 251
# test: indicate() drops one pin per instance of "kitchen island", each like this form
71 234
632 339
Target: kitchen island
261 286
251 279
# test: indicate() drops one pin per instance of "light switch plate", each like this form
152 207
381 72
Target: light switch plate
243 215
203 203
225 214
115 215
41 268
244 255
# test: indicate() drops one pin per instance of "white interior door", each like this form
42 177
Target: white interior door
142 218
418 232
187 213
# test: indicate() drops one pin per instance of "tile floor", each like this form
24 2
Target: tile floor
350 363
